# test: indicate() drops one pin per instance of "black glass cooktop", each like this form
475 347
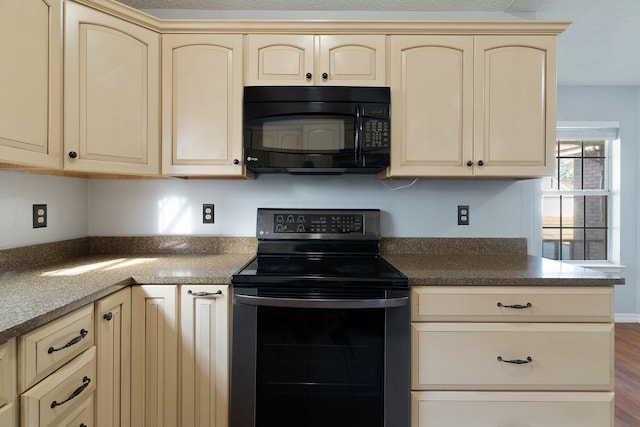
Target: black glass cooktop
342 270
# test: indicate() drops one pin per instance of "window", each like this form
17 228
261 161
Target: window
576 201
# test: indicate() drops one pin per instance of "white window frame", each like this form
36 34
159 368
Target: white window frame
609 132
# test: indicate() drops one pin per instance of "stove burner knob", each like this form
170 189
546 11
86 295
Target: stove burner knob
300 218
280 218
279 228
290 218
301 228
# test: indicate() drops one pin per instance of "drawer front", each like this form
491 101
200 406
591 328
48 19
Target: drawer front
517 409
45 349
9 415
8 367
465 356
61 393
80 416
511 304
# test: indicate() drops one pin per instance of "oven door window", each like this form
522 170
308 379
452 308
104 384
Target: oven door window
320 367
307 134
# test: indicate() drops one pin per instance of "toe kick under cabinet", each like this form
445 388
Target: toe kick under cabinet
512 356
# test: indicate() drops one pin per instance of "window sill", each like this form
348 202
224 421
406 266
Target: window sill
603 266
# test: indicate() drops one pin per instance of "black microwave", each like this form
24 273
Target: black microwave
316 129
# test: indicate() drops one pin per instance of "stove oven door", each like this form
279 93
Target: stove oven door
320 358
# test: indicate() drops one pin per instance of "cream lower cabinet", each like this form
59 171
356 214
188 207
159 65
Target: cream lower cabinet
307 59
204 350
472 105
111 94
8 384
202 104
31 82
534 356
187 323
154 355
113 360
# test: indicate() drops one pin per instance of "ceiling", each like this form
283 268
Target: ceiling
600 48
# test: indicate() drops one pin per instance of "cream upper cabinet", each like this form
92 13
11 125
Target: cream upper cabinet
515 105
112 88
31 82
202 104
432 105
204 336
472 105
338 60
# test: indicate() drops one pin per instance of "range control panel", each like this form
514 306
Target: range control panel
287 224
307 223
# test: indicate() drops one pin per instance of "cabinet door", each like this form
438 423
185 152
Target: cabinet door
31 82
204 317
357 60
8 384
154 355
432 103
277 59
515 105
202 104
112 70
113 359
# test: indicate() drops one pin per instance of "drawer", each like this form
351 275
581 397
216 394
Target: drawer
465 356
43 350
80 416
9 415
517 409
61 393
8 368
511 304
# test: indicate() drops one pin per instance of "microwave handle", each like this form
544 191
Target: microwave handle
358 136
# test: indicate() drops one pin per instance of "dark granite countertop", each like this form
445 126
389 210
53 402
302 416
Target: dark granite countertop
33 296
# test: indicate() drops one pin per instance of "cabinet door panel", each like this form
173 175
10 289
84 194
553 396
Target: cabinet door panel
357 60
204 311
111 93
515 104
431 83
202 97
154 355
113 359
31 82
279 59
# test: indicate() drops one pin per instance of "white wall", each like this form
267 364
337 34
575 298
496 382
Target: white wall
427 208
615 104
67 208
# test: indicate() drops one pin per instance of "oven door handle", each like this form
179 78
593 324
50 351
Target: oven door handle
321 302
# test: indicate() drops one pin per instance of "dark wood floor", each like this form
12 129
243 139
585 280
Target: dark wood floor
627 380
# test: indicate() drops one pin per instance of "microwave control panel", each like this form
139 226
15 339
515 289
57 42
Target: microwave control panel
375 133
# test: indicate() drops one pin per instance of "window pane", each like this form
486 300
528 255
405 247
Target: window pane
551 211
572 211
593 148
593 178
567 174
596 211
570 149
573 245
550 249
596 245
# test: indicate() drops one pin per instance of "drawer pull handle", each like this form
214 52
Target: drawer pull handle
516 361
76 340
516 306
205 294
108 316
85 384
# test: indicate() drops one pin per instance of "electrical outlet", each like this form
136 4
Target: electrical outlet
207 213
39 216
463 214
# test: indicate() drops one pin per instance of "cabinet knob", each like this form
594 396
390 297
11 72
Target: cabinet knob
73 154
108 316
480 163
236 161
308 76
325 76
469 163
